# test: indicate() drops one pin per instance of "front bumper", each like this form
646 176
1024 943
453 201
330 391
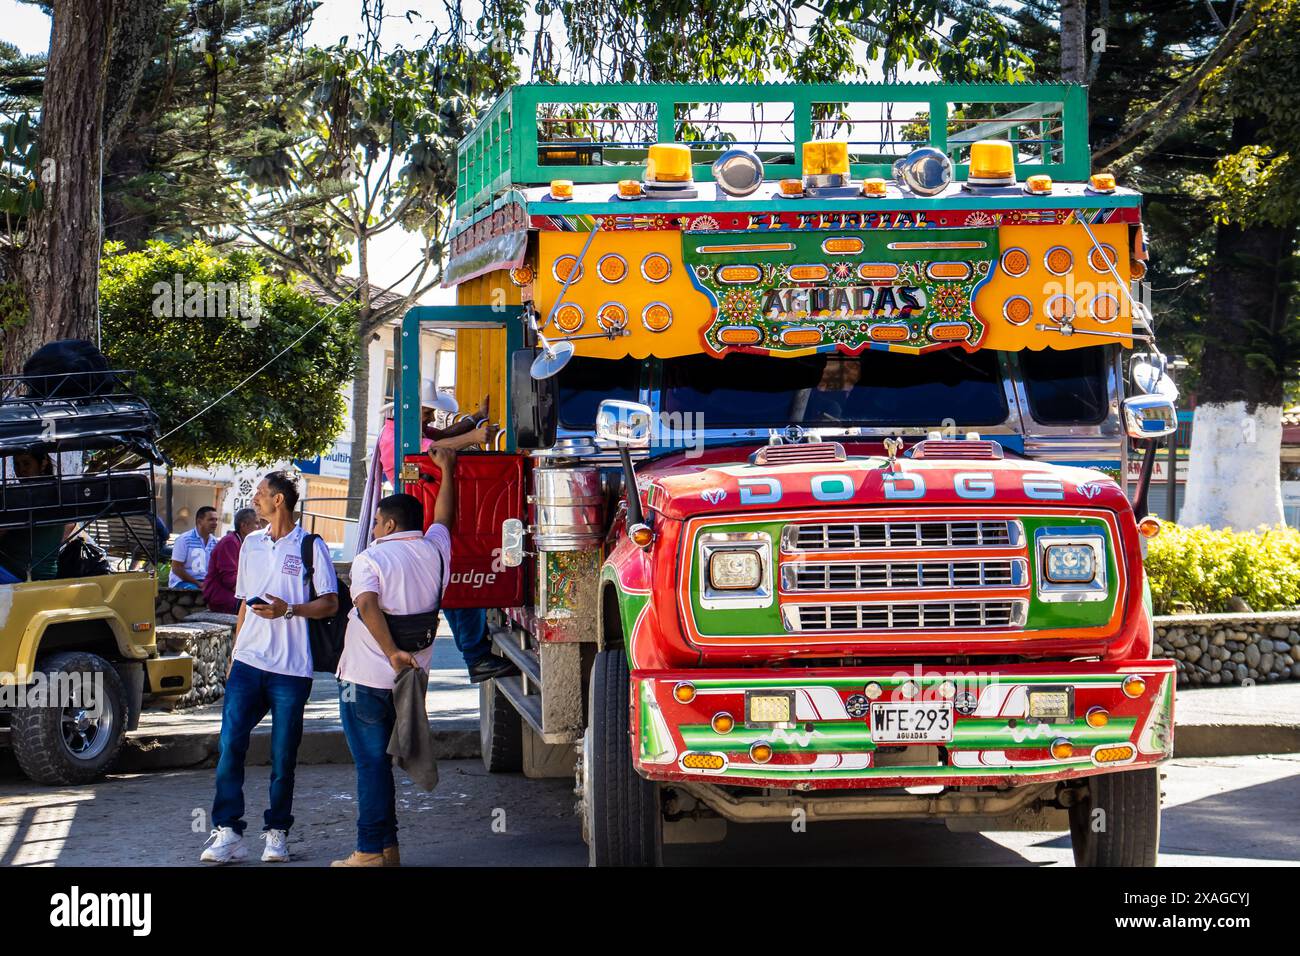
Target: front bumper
994 742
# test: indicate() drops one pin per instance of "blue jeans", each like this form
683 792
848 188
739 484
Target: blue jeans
250 693
469 631
368 717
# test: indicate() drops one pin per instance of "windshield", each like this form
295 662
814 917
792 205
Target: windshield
585 382
1066 388
876 389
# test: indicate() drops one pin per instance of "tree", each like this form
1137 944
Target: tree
94 45
195 324
1234 477
372 137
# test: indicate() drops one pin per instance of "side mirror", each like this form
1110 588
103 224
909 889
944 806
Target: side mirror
1150 416
624 423
512 543
533 404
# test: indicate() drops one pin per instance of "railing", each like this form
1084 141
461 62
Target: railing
600 133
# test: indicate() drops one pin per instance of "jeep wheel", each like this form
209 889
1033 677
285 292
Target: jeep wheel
622 819
1116 821
76 743
500 730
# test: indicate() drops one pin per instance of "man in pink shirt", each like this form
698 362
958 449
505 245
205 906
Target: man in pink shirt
402 573
464 434
223 567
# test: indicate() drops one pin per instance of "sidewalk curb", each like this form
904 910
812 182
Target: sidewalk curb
152 753
145 753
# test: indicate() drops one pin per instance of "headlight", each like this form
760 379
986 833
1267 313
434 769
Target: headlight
735 570
1069 563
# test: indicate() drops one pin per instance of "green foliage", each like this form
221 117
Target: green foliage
293 409
1198 569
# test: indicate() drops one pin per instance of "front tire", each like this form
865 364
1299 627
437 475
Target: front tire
64 742
1117 820
622 819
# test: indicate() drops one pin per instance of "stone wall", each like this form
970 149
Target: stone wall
1226 649
208 638
174 605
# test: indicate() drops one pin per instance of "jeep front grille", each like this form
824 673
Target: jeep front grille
859 535
928 615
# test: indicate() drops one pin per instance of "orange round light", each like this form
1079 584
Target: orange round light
563 266
739 274
1015 262
842 246
760 752
656 267
801 336
612 268
1060 308
656 316
1149 526
1097 717
1105 307
723 723
1058 260
1137 269
684 692
1039 184
569 317
740 335
877 270
1134 686
612 315
561 188
629 188
641 535
791 187
874 188
1062 749
1102 259
521 275
813 273
1102 182
1017 310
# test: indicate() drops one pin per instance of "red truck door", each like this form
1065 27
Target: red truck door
489 489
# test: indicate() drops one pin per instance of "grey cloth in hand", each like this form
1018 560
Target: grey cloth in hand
411 744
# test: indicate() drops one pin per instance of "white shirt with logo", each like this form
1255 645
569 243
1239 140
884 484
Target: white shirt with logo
266 568
193 553
407 571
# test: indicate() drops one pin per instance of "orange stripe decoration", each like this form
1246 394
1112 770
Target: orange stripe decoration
747 247
905 246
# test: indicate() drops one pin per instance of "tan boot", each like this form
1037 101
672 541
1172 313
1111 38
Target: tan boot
391 856
362 859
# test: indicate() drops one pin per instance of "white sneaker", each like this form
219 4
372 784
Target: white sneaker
277 846
227 846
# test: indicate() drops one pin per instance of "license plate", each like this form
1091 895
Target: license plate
904 722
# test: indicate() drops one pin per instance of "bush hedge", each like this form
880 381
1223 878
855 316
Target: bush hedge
1201 570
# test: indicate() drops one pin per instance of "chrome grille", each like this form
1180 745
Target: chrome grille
853 576
846 536
929 615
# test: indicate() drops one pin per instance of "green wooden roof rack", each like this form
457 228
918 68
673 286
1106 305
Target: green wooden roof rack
593 133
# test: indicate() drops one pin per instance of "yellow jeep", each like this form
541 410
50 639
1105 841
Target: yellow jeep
77 645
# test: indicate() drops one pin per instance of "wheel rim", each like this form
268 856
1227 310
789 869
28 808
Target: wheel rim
85 734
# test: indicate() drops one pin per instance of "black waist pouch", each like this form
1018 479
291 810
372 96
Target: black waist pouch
412 632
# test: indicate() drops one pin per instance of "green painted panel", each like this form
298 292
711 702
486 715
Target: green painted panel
737 622
1043 614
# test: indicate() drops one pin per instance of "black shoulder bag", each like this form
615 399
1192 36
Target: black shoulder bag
324 634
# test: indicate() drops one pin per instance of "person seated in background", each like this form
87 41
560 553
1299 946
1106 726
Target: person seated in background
193 550
35 549
223 569
471 431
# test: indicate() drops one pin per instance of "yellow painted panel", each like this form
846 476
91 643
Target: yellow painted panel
481 358
1081 284
692 310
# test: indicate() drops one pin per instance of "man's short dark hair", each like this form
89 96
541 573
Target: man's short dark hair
281 483
202 512
403 510
243 516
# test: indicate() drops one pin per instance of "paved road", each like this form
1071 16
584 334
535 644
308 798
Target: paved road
1235 810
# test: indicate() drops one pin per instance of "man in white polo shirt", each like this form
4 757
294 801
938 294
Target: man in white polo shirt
398 580
271 667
